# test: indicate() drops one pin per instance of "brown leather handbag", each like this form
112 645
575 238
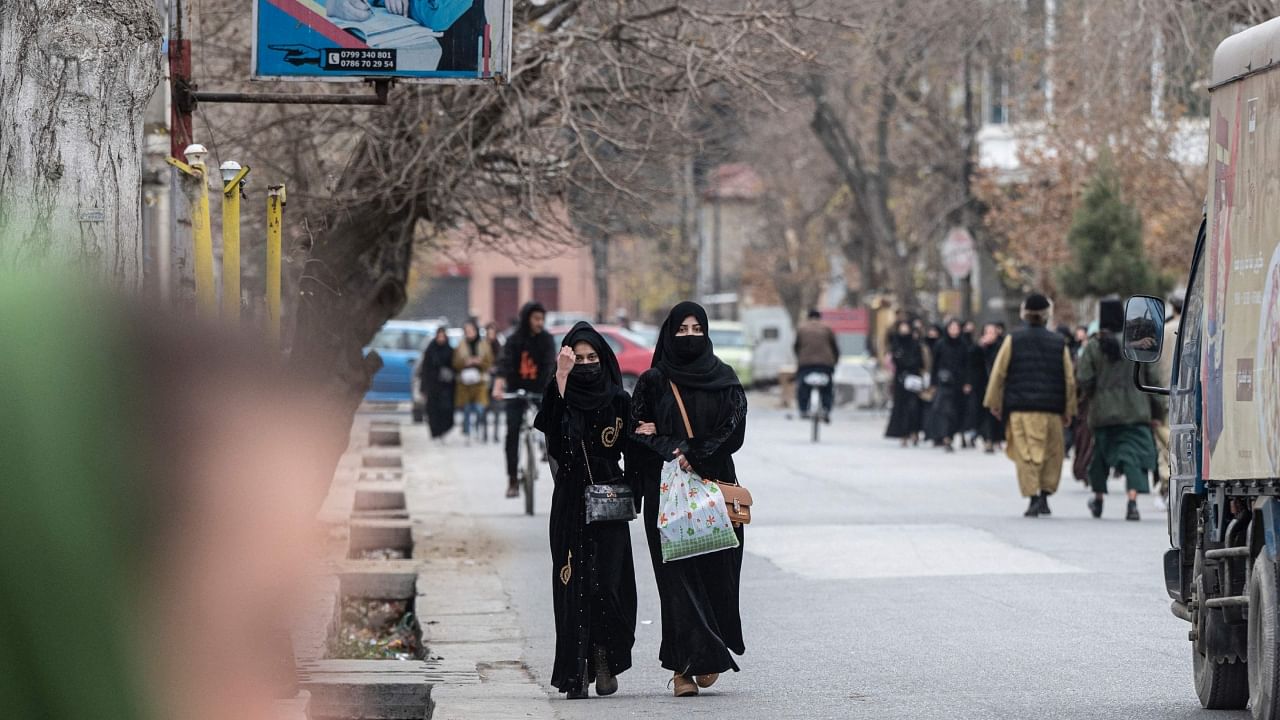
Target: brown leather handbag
737 498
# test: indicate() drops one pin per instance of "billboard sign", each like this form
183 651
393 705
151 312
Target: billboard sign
449 41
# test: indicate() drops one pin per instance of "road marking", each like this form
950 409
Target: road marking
848 552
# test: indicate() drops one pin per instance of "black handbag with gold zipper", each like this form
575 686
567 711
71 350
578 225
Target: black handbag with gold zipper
606 502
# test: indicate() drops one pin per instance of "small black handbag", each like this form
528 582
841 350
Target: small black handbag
607 502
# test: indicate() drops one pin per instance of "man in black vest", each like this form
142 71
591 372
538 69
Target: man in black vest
1033 387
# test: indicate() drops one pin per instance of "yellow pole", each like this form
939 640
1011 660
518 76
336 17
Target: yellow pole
206 297
231 238
275 219
202 238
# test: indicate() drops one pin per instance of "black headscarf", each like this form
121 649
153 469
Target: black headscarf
1110 322
590 393
700 370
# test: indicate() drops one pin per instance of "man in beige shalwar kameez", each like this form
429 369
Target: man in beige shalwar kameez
1032 385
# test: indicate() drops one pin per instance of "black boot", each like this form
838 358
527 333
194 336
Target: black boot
1044 503
1132 512
606 682
1033 508
1095 506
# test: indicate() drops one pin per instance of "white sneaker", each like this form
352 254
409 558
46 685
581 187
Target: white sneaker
1160 503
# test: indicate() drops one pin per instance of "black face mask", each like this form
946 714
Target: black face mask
586 372
687 348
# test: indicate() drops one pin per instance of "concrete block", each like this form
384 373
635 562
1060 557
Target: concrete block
381 460
379 515
378 534
379 475
375 583
368 689
368 499
384 435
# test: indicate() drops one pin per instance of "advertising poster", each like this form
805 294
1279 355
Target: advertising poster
1241 362
427 40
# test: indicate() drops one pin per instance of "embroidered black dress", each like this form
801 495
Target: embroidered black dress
593 577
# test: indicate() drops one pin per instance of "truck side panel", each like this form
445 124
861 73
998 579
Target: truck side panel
1239 369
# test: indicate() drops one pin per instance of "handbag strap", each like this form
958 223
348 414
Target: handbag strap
683 414
586 459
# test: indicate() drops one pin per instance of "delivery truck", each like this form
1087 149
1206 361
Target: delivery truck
1224 395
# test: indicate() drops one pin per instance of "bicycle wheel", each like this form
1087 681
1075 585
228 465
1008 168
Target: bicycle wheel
530 471
815 412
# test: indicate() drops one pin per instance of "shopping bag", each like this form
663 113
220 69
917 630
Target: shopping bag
692 518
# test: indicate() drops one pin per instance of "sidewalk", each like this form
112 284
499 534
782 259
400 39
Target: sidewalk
474 669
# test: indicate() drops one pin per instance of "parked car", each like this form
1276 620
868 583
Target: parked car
400 344
634 353
732 346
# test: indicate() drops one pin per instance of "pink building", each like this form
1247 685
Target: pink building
477 279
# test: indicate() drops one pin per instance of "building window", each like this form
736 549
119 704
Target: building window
546 290
506 299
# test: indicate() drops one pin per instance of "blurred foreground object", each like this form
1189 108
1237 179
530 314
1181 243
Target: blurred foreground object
158 481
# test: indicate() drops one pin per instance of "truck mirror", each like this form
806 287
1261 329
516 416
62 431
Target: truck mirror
1143 328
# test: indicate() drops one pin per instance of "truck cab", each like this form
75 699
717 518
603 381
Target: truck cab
1224 394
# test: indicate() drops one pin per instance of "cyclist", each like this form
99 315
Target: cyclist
528 362
816 351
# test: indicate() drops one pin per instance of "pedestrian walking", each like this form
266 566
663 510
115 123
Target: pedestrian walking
495 341
528 362
990 427
974 412
701 623
1033 390
1121 417
584 416
816 352
471 361
910 362
946 413
437 377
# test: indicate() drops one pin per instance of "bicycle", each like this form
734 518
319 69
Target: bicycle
528 470
816 380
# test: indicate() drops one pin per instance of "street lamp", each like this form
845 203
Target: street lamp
196 154
229 169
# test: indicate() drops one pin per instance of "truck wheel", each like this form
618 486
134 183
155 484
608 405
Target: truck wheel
1221 685
1264 640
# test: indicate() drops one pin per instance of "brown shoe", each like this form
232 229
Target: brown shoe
513 490
706 681
684 686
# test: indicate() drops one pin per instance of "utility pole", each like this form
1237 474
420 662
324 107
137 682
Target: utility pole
233 176
181 248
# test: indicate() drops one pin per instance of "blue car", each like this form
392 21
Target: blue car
400 344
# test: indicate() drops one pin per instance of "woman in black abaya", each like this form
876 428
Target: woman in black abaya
584 415
951 376
910 360
437 383
701 624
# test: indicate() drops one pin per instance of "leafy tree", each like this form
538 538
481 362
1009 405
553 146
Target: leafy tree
1105 241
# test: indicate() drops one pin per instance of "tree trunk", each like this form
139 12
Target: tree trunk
75 78
600 263
869 183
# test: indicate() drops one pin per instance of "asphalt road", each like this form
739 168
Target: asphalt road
883 582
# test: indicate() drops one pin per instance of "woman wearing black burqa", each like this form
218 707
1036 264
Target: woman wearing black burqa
701 624
436 374
584 416
910 363
951 376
